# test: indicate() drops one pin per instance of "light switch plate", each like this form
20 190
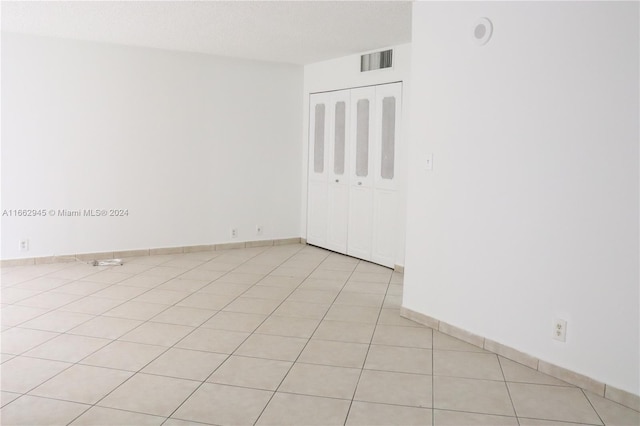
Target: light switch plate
429 162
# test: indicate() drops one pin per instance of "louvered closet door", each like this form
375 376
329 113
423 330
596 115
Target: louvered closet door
361 177
338 175
385 174
319 131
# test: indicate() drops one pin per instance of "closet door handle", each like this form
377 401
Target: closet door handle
359 183
337 180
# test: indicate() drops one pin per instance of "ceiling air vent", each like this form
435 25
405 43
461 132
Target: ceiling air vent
376 60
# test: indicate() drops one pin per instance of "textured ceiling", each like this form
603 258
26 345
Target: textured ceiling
299 32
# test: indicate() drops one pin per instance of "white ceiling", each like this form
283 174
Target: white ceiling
298 32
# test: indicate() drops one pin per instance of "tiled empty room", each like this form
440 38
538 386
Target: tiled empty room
320 213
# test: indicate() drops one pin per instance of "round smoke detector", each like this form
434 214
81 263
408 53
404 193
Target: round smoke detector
482 30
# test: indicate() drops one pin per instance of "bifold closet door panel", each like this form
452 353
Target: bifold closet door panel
385 194
319 130
338 180
387 129
361 180
317 213
337 217
385 229
353 172
360 223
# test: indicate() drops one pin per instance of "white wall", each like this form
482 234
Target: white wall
531 211
344 73
190 144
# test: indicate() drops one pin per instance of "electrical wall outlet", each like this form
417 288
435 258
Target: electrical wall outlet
259 229
560 330
234 232
23 245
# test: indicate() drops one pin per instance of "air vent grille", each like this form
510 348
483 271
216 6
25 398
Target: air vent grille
376 60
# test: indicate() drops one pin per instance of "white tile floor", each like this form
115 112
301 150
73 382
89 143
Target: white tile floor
269 336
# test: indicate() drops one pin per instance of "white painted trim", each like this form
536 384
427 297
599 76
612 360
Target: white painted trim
146 252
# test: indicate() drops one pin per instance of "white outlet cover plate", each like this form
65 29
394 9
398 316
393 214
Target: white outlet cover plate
560 330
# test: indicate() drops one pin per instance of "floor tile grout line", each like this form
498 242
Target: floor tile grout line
506 385
182 378
260 389
309 339
75 326
71 264
117 339
334 398
66 332
164 310
305 345
83 278
293 363
287 392
571 422
165 351
592 406
89 407
71 280
231 354
102 347
84 296
364 362
501 381
250 334
50 310
152 360
108 408
515 417
230 302
331 305
383 307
